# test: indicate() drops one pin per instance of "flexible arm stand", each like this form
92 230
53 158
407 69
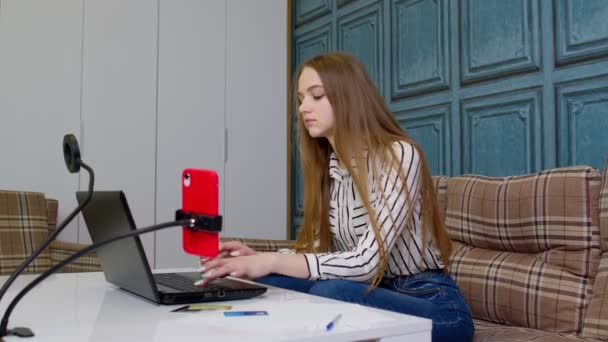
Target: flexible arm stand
73 162
206 223
191 223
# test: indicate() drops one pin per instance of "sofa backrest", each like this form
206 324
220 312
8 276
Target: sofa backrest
441 190
23 227
526 248
596 321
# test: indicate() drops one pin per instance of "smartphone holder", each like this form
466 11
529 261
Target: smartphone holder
200 222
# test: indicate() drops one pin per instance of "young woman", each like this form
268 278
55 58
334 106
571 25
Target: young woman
372 233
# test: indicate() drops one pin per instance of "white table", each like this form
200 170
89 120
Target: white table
84 307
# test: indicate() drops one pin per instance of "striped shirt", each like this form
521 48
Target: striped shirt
357 257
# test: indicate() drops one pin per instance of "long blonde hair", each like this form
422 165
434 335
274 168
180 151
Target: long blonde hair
362 123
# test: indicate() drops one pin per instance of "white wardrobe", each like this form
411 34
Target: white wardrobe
149 87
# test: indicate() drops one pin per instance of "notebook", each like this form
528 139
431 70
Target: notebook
125 265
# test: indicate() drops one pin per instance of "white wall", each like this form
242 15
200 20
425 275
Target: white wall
40 70
256 120
119 103
149 88
191 107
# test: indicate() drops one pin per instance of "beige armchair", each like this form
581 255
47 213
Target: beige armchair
26 220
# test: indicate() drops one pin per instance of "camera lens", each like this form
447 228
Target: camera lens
187 179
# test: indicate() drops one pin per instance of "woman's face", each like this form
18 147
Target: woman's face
317 113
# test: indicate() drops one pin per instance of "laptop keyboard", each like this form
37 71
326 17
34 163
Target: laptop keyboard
181 283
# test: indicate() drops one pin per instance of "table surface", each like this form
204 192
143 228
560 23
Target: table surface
84 307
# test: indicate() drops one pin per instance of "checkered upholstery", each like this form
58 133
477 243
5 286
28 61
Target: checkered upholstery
26 220
263 245
604 209
526 248
492 332
441 190
61 250
596 322
23 227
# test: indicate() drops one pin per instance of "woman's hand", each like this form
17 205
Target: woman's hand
230 249
249 266
235 248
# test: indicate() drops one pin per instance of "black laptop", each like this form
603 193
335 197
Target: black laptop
125 265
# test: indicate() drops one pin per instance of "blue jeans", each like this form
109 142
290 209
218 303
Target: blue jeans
429 294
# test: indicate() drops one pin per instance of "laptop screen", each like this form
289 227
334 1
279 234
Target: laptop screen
123 262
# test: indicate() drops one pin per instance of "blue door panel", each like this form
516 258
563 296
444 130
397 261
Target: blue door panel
311 43
310 9
344 2
581 30
429 127
583 122
360 33
419 38
498 38
499 134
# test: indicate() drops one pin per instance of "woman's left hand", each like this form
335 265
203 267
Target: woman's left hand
251 266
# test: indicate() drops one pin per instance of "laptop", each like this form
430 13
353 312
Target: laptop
125 265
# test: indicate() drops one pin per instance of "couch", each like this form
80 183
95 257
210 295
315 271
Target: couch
26 220
530 252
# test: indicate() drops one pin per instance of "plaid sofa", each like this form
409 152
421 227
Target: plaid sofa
530 252
26 220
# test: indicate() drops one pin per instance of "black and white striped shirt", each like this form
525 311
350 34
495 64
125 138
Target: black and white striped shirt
357 256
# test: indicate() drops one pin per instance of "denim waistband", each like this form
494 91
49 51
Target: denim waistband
436 276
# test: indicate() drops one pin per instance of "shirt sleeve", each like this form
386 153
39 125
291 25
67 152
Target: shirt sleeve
360 264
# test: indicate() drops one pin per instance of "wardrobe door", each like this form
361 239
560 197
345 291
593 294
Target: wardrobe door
40 61
191 110
256 119
119 104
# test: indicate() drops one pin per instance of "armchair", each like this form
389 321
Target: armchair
26 219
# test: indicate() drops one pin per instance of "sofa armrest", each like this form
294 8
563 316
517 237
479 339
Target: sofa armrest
61 250
52 206
263 245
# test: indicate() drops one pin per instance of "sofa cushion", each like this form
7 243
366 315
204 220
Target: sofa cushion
492 332
596 322
61 250
23 227
604 209
519 289
526 247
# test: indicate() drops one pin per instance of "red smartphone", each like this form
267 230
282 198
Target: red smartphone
200 196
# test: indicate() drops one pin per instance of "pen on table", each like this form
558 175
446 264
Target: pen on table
333 322
181 308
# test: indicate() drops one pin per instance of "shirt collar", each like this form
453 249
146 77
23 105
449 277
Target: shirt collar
335 171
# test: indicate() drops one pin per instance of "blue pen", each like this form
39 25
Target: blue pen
333 322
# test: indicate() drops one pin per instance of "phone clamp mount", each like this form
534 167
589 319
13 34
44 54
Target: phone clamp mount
200 222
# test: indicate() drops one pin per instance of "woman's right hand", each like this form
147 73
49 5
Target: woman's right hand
227 250
230 249
234 249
